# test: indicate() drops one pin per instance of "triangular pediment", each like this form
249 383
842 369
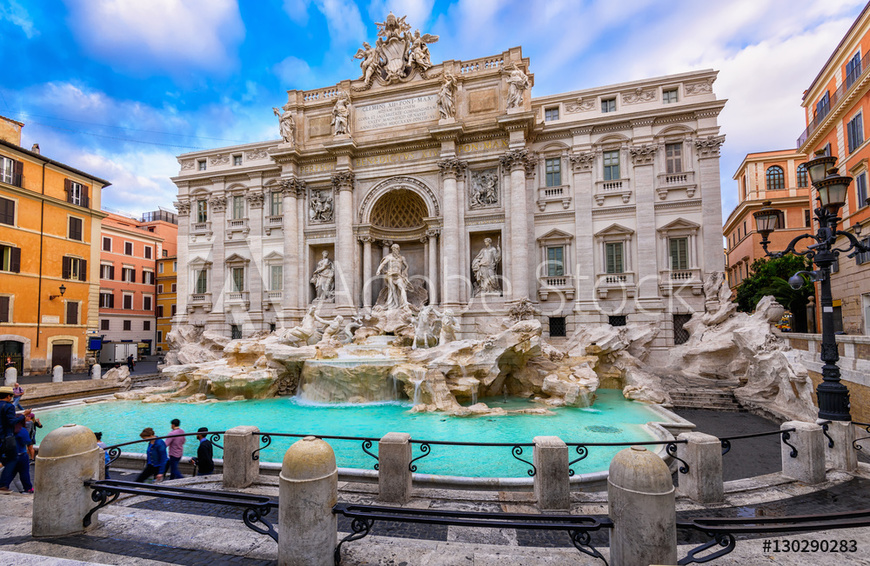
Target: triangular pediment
199 262
556 234
679 224
274 256
615 230
236 258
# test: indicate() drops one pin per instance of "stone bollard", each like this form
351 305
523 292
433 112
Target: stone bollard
641 502
11 376
552 488
57 374
394 473
96 371
809 464
67 457
240 469
703 455
843 455
308 490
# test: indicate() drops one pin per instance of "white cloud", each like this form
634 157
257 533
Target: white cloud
159 34
297 10
343 20
418 11
132 190
18 16
296 74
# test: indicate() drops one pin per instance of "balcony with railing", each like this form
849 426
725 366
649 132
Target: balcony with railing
684 180
201 229
201 300
612 188
272 298
556 284
854 75
237 226
237 298
273 223
675 280
560 194
606 282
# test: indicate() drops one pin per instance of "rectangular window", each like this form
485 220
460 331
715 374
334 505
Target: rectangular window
201 281
128 274
128 248
823 106
146 302
107 271
201 211
147 277
76 192
107 300
551 114
172 310
679 253
553 169
74 268
276 273
5 309
238 207
855 131
808 222
614 258
160 267
165 253
10 259
72 312
146 325
107 244
174 266
863 258
674 157
159 311
7 211
160 336
861 188
608 105
128 302
128 325
853 69
160 288
172 288
617 320
669 96
237 160
611 165
75 229
238 274
555 261
104 324
200 165
235 332
147 252
8 173
276 204
557 326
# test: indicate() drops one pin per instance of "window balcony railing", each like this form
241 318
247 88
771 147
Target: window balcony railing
201 228
612 185
237 226
561 194
613 188
560 284
676 279
666 182
273 222
606 282
272 298
202 300
835 98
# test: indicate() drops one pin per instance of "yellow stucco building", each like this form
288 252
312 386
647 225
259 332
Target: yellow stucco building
49 257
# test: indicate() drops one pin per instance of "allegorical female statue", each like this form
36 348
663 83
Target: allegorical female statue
518 82
485 266
323 279
341 115
286 125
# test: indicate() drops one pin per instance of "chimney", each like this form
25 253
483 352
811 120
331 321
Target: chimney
10 130
35 148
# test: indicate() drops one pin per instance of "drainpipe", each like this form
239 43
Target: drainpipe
39 285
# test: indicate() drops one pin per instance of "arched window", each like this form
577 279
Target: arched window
775 178
802 175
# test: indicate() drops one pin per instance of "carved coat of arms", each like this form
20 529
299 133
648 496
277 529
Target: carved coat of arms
397 54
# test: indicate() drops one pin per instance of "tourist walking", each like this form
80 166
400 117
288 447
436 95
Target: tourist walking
204 461
156 459
175 446
31 423
17 393
130 363
102 445
8 442
21 465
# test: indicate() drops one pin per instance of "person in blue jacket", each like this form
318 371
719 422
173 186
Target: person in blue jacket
155 463
8 422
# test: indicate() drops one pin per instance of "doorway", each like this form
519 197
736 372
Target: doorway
61 355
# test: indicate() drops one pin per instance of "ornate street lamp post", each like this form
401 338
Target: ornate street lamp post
831 187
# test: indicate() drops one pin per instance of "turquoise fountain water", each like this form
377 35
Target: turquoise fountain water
612 419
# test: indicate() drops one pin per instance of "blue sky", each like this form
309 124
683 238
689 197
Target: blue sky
120 87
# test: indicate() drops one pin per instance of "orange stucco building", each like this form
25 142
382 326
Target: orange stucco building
49 256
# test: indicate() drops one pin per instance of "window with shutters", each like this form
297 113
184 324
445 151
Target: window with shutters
72 312
104 324
160 288
853 69
172 310
5 308
10 259
107 244
146 325
75 228
107 300
147 301
128 301
107 271
76 193
554 171
128 325
128 274
861 189
7 211
172 288
159 311
147 252
855 132
128 248
614 255
674 157
11 171
679 253
147 277
74 268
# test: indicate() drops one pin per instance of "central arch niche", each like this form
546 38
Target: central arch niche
399 209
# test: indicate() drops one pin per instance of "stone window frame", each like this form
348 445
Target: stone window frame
195 266
237 160
236 261
124 295
554 239
149 296
615 233
109 240
232 198
15 208
608 99
272 260
66 304
11 312
675 89
548 114
69 221
201 165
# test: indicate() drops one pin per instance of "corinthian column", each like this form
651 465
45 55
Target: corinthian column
293 188
342 181
450 267
433 266
519 163
367 271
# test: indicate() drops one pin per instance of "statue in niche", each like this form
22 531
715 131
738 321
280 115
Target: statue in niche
518 82
369 61
323 279
286 124
307 329
394 268
484 188
341 115
484 267
446 106
321 206
449 327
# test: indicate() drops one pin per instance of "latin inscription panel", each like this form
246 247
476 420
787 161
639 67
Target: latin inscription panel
396 113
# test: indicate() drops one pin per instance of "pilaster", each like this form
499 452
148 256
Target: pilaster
342 182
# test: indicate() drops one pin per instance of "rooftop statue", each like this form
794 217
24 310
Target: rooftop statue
397 55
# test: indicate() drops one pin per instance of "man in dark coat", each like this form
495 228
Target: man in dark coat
8 421
204 461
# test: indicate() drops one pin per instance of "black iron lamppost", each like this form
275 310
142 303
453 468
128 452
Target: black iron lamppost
832 394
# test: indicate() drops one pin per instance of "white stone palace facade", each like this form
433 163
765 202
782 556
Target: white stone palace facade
601 206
